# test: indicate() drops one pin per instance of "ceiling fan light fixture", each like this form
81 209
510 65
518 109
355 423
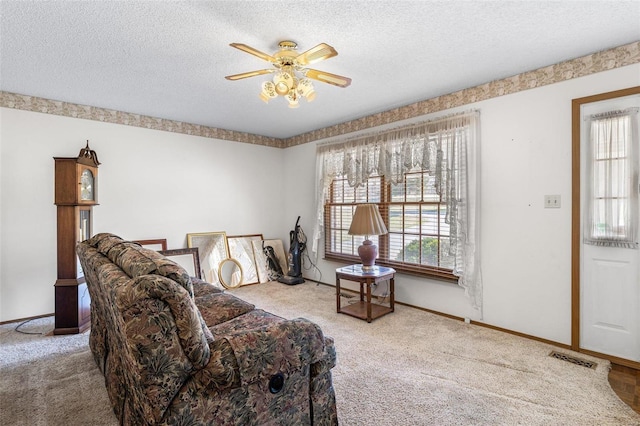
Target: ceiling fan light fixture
284 82
268 91
292 79
282 89
306 90
292 98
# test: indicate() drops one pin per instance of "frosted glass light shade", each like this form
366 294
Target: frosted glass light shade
283 82
268 91
305 88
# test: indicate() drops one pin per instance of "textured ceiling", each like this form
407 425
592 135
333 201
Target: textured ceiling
168 59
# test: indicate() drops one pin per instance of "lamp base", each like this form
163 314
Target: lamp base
369 269
368 253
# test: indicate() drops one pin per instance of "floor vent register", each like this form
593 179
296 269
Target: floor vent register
572 359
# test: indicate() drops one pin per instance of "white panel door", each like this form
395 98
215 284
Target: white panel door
611 301
610 277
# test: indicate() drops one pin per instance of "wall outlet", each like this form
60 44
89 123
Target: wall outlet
467 320
552 201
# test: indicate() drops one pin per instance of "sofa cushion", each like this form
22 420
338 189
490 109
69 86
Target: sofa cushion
300 342
136 260
217 308
128 257
104 241
202 288
256 318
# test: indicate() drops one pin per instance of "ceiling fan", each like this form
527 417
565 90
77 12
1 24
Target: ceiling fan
292 79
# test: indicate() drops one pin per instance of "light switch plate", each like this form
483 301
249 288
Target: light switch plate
552 201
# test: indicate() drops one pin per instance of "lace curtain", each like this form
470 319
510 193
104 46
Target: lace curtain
448 149
612 175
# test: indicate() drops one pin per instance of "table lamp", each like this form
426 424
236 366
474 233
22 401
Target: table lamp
367 221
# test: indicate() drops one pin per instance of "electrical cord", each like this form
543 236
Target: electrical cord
385 294
313 265
302 239
23 323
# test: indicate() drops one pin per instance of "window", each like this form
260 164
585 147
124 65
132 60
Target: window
418 238
340 210
613 175
417 223
414 211
425 180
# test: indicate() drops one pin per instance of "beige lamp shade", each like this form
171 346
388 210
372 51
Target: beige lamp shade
367 221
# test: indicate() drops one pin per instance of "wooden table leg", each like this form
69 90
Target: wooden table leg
338 293
392 295
368 283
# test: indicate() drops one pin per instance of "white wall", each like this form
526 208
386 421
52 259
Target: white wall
526 249
162 185
152 184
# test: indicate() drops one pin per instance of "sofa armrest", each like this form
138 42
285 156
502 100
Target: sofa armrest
222 370
190 327
323 397
256 355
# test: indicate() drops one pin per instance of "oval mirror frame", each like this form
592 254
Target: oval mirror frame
230 273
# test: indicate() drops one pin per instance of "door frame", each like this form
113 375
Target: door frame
576 231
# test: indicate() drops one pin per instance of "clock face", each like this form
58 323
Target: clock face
86 185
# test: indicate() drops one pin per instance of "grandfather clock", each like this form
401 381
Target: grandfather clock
76 180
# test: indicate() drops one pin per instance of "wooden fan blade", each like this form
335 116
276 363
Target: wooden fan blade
248 74
253 51
327 77
316 54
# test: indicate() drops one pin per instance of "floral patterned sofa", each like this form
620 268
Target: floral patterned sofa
176 350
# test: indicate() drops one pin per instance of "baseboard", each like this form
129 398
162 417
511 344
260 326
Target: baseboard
517 333
26 319
614 359
457 318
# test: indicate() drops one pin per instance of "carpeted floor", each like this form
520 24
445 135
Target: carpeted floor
50 380
407 368
415 368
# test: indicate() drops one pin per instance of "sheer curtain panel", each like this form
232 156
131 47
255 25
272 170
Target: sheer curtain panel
612 175
448 149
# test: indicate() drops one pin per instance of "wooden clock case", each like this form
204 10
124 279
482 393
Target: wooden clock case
74 203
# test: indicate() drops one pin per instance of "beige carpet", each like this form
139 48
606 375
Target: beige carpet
407 368
415 368
50 380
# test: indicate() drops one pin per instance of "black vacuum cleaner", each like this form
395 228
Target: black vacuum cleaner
297 245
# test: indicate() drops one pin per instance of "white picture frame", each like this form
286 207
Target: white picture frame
241 249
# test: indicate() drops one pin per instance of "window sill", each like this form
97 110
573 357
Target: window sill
419 271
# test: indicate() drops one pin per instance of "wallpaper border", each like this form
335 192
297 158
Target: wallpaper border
574 68
66 109
597 62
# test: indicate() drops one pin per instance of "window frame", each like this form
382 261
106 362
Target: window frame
384 203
